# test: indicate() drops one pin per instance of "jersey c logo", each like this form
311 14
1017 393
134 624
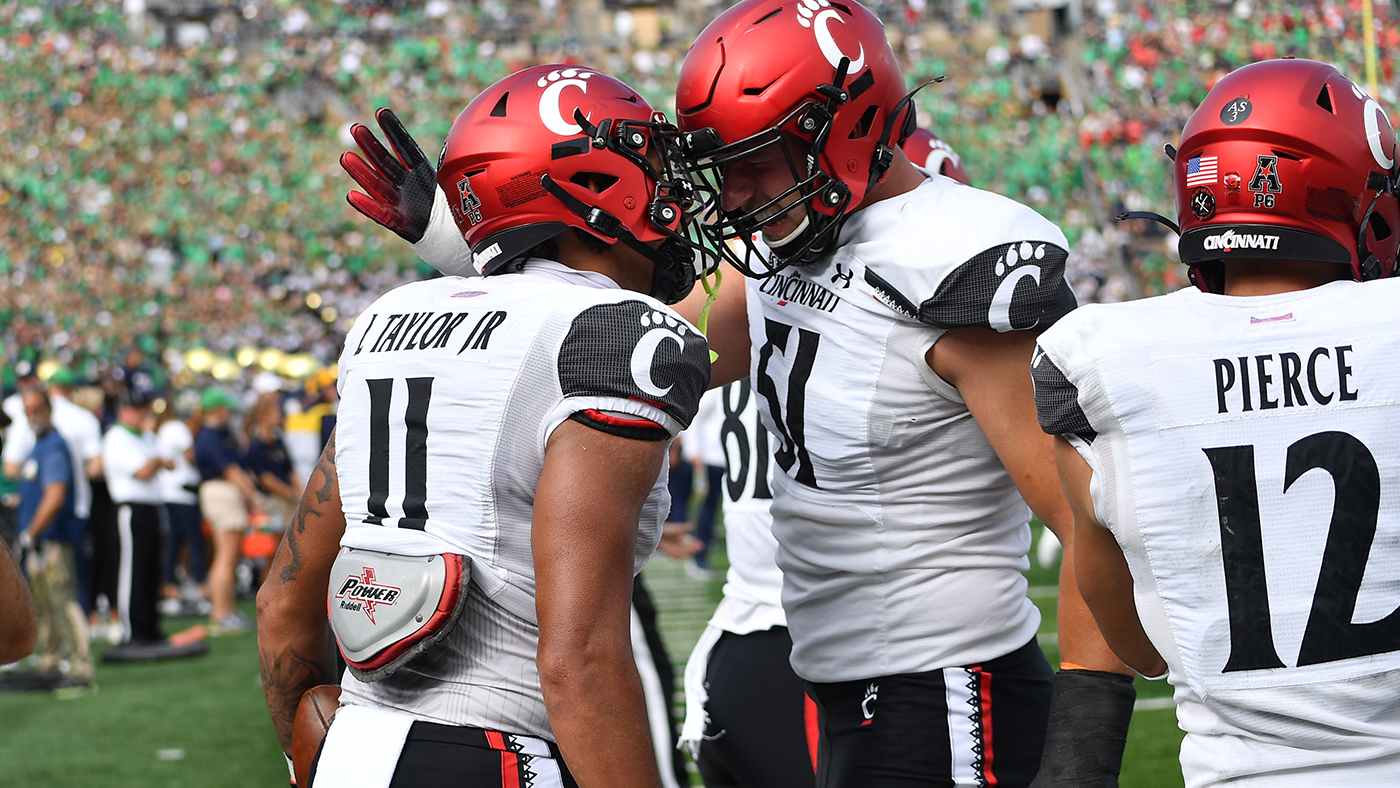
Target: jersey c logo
551 113
999 314
820 24
645 353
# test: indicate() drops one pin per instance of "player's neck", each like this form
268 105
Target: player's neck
902 177
1271 277
619 262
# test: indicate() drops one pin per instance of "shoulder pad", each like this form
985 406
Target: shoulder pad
638 351
1009 287
1057 400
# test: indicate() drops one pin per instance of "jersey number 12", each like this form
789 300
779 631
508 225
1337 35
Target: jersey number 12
1330 634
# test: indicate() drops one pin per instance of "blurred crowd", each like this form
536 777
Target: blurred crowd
167 184
172 501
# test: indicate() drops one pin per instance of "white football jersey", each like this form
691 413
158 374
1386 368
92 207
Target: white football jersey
753 585
449 391
1246 456
901 537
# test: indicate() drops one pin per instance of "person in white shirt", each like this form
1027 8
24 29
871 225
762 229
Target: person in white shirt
886 318
132 460
1230 449
179 486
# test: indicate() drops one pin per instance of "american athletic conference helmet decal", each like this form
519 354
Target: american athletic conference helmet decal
556 147
1287 160
813 79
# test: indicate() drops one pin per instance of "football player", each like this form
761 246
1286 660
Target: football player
1229 449
886 322
746 711
496 477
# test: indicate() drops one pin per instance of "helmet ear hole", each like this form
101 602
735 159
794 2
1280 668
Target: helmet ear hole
866 122
1379 227
596 182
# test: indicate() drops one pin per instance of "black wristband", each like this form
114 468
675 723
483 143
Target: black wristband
1089 715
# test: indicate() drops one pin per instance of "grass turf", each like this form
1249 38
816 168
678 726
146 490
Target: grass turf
209 712
190 722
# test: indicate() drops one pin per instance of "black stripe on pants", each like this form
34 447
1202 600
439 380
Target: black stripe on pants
138 579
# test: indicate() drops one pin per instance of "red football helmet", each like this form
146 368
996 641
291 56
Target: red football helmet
556 147
1287 160
929 151
769 72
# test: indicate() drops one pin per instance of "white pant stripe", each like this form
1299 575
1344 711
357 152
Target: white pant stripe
963 735
124 570
656 703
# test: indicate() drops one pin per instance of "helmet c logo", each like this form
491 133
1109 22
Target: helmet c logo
820 26
829 46
550 110
1374 116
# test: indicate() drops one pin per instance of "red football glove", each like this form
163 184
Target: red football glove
401 190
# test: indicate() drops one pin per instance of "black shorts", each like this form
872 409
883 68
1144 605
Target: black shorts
978 725
756 731
450 755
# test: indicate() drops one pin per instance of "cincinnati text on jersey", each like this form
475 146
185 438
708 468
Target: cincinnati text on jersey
793 289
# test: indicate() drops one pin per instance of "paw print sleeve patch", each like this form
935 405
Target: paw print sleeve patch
1011 287
635 351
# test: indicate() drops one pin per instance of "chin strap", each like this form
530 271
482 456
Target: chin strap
884 154
668 280
1370 266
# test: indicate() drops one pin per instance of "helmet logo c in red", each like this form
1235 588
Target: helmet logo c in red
551 112
809 15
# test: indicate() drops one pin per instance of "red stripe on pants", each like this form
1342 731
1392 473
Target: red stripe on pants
985 689
510 770
809 715
510 764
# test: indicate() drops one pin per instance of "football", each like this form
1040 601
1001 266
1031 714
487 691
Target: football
314 715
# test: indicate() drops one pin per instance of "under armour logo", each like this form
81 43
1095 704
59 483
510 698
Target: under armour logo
871 693
842 276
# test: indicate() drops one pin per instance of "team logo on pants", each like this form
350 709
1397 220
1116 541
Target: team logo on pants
871 693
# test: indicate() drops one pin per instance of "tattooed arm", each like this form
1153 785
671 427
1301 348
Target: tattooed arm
292 603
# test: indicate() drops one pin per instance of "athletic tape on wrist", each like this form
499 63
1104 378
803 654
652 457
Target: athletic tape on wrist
442 245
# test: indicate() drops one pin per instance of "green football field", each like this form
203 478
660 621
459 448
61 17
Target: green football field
201 723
